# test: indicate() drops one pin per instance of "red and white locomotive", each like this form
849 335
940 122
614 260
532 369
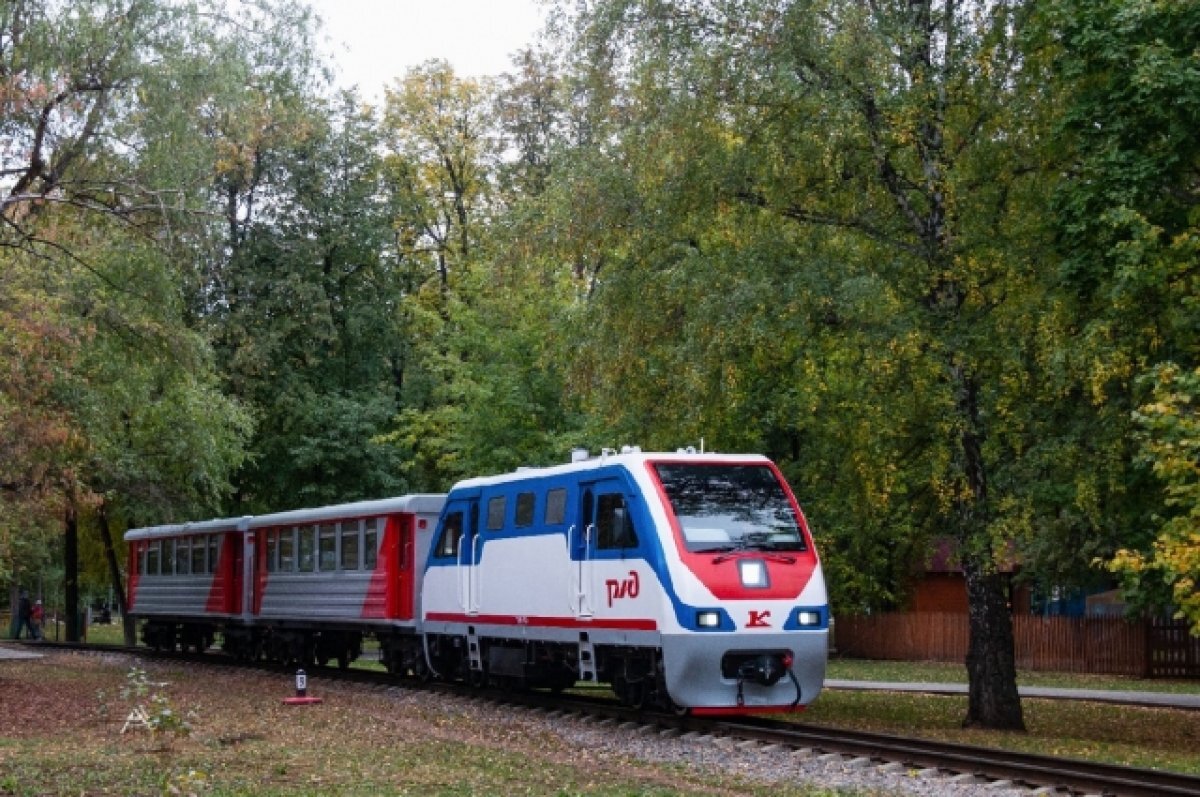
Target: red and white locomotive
683 580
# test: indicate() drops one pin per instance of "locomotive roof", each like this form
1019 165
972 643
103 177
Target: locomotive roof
630 460
419 503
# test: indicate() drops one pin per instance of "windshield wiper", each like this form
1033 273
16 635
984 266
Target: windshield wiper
755 552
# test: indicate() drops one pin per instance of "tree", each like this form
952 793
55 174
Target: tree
1127 226
104 173
887 150
306 321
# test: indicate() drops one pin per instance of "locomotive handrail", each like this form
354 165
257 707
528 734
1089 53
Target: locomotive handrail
459 581
474 588
585 561
572 586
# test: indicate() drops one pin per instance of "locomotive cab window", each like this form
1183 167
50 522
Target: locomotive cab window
731 507
452 531
212 552
614 526
153 549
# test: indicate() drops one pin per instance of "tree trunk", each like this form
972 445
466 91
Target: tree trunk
114 572
993 701
71 573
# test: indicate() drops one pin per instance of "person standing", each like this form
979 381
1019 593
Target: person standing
36 616
24 615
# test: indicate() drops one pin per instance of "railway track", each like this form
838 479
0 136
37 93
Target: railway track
966 763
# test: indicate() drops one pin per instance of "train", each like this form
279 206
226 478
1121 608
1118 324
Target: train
682 580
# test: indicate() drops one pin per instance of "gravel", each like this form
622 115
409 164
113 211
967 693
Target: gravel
717 755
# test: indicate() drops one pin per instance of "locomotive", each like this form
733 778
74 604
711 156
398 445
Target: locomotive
682 580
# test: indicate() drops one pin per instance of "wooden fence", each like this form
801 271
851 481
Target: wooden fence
1105 645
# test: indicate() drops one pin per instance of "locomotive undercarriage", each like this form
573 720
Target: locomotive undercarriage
635 674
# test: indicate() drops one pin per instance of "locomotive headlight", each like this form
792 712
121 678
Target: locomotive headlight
708 619
753 573
808 618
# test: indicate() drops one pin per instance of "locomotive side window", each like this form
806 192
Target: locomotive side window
349 539
495 513
525 505
153 549
371 544
287 551
328 547
614 526
213 541
199 551
556 506
308 548
452 530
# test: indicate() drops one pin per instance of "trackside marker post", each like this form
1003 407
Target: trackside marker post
301 698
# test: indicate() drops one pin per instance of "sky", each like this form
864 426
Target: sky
374 41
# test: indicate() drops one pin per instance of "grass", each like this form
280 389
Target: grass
63 735
939 672
1159 738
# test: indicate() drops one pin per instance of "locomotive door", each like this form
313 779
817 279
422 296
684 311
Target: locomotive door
468 558
601 503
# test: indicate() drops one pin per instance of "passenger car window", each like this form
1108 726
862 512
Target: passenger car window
287 551
308 548
199 549
371 543
328 547
349 534
181 557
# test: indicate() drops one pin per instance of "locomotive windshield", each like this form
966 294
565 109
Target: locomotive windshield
722 508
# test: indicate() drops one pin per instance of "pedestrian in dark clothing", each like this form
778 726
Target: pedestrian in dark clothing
25 615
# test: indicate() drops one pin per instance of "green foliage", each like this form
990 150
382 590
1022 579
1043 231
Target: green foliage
1170 444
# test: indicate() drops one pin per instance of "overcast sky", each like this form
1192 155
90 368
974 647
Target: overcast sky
374 41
